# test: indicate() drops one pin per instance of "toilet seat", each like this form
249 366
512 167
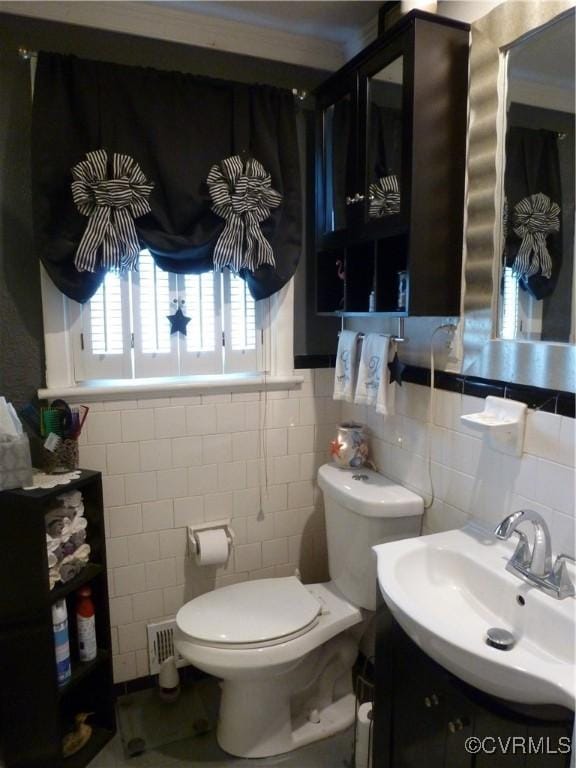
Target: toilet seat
252 614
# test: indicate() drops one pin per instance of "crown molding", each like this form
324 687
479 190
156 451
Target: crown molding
147 19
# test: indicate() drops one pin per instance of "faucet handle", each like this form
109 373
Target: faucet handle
561 578
522 555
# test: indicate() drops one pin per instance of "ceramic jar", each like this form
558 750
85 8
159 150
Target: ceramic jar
350 448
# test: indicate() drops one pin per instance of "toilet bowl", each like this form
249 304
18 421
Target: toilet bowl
283 650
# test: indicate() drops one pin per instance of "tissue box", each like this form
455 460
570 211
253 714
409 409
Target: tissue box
15 463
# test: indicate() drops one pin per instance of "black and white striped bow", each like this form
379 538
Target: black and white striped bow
384 197
243 196
534 218
111 204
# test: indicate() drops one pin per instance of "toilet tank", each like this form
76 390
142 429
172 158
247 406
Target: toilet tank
363 508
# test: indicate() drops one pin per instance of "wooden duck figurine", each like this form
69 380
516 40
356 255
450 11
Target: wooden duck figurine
79 737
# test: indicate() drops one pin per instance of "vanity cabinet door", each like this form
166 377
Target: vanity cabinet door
553 740
419 714
418 725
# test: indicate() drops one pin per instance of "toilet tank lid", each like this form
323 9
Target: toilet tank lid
368 493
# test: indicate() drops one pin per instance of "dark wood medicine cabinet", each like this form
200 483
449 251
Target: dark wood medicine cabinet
389 173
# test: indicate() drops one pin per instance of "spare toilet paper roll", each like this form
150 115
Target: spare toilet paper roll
212 547
363 740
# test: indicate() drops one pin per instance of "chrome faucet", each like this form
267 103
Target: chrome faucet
535 566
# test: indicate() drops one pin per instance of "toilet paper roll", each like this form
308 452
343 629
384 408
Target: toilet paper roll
363 740
212 547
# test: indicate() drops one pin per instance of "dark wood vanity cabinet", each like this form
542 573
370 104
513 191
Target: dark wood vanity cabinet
390 168
424 715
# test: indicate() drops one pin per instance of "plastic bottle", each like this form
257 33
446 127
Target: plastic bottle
86 623
61 642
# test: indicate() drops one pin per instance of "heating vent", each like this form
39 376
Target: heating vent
161 645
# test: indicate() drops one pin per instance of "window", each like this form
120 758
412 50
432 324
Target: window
509 320
124 331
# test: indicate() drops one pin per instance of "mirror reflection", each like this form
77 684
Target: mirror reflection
385 140
338 162
537 276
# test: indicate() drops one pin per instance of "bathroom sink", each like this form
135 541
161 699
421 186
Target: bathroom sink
446 590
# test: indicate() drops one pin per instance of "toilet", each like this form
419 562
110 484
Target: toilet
284 650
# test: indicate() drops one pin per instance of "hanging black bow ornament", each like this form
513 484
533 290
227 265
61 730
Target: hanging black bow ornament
111 205
242 195
384 197
535 217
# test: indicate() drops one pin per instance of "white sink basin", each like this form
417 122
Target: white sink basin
448 589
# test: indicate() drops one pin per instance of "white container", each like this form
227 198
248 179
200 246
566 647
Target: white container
61 642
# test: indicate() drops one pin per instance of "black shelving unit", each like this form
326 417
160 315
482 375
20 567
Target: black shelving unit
35 713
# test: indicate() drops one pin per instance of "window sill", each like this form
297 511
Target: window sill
118 389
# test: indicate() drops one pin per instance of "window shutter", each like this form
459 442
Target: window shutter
154 297
103 349
201 348
241 350
124 331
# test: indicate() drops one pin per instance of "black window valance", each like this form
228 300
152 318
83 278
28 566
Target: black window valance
175 126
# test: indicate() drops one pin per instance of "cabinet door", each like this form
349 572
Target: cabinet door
337 161
459 723
385 85
419 722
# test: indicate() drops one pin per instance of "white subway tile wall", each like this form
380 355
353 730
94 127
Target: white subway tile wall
470 479
169 462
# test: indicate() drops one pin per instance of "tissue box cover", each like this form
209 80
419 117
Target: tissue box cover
15 463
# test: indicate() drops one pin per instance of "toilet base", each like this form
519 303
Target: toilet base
334 718
263 718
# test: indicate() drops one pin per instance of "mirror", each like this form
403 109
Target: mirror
548 364
384 145
338 162
537 272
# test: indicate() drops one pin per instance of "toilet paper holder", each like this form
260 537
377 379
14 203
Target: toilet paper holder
213 525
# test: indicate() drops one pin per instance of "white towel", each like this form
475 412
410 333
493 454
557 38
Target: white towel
346 365
373 386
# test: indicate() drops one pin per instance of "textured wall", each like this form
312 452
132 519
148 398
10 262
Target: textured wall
21 343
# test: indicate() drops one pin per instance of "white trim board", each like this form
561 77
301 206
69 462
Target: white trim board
146 19
178 385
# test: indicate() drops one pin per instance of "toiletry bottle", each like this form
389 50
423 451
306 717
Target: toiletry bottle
61 641
86 624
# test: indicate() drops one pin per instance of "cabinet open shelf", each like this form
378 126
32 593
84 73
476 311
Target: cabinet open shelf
100 737
32 735
81 670
89 572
